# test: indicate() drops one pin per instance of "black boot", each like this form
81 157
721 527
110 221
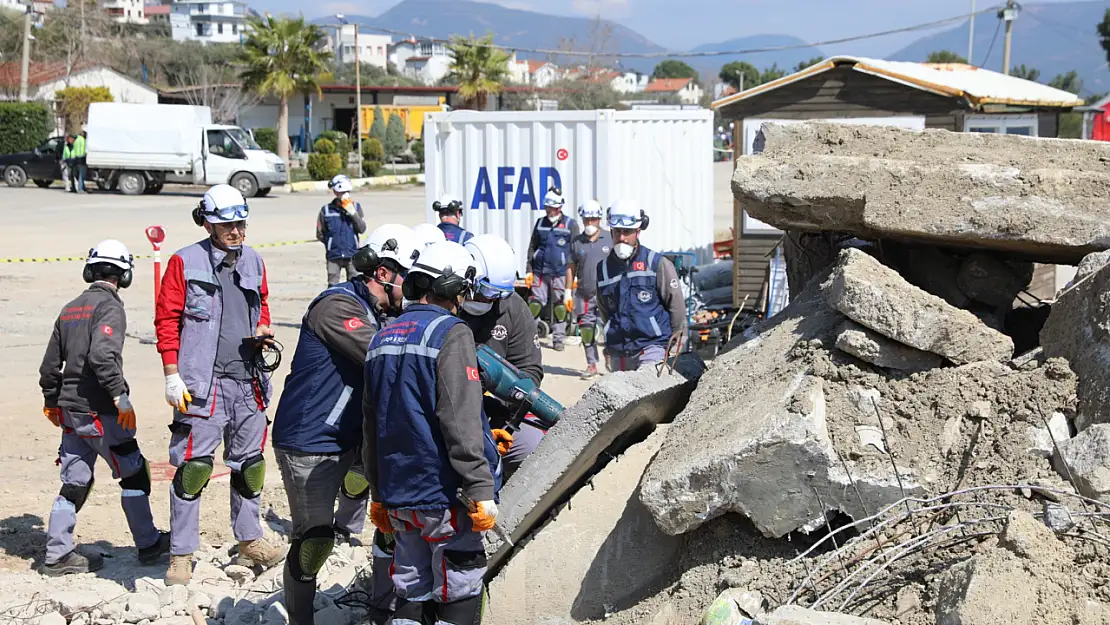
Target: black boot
155 552
298 598
73 563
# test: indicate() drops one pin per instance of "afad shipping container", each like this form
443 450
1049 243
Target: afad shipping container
501 164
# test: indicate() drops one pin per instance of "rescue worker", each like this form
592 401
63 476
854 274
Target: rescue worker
85 394
426 440
213 302
500 318
450 215
586 251
548 254
429 234
638 295
338 227
318 425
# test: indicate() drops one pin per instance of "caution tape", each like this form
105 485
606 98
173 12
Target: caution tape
67 259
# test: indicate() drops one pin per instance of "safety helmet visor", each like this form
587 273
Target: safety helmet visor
624 221
492 291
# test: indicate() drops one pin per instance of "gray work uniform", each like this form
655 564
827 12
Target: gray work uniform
674 302
508 328
550 289
81 374
337 266
584 256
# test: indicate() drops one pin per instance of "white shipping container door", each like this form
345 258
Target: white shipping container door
500 165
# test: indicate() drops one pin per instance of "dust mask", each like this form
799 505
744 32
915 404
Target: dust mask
477 308
623 250
591 230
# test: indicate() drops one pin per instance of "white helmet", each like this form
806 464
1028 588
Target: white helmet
554 199
340 184
391 241
112 252
449 266
429 234
495 262
222 203
590 209
625 213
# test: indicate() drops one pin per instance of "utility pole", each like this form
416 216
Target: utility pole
358 86
1008 14
25 65
971 34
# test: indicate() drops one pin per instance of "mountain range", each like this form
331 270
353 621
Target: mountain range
1054 38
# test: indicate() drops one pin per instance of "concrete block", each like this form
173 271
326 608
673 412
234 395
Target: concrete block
797 615
1043 198
616 405
875 296
1091 263
1078 330
870 346
599 554
1087 457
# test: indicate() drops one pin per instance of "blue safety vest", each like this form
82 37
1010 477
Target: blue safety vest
414 471
552 247
340 237
630 293
455 232
320 411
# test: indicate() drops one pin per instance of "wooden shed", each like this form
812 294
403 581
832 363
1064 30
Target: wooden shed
857 90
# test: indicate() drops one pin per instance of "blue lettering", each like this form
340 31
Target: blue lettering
483 191
525 192
504 185
549 173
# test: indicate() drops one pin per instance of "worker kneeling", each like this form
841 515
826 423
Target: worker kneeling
427 445
318 425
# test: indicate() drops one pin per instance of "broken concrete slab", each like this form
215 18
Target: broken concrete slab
1078 330
1091 263
875 296
870 346
1042 198
1086 458
601 553
617 405
797 615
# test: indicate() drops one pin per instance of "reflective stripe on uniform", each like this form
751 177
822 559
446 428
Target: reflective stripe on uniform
340 405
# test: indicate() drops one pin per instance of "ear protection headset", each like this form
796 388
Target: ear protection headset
447 285
367 260
453 206
124 275
198 214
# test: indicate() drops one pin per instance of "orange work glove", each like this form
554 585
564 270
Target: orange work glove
126 418
54 415
529 279
347 203
504 441
484 516
380 518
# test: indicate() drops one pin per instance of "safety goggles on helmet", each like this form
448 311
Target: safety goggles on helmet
624 221
491 291
238 212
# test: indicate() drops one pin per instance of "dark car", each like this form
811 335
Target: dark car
43 165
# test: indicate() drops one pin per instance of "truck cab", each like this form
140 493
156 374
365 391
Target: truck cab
230 155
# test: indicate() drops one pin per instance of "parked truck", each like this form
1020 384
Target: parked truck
138 148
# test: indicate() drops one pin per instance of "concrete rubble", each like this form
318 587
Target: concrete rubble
1086 458
870 346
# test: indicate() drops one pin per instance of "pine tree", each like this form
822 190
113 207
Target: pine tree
394 137
377 128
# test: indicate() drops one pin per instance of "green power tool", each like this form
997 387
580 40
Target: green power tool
505 382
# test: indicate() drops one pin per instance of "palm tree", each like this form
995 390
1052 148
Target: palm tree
283 57
478 68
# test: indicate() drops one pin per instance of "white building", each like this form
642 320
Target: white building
687 91
426 60
125 11
208 22
44 80
372 48
629 82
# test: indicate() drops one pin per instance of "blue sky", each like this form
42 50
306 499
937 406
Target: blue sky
707 21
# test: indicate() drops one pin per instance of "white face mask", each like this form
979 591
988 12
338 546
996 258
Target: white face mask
591 230
623 250
477 308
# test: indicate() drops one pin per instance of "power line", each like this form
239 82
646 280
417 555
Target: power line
991 47
648 55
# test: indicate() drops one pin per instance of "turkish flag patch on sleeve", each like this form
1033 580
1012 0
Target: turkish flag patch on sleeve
639 266
107 329
472 374
353 324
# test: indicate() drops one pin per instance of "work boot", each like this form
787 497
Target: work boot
558 347
180 571
261 552
591 372
154 553
73 563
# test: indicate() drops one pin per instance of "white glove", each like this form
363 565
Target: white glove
177 395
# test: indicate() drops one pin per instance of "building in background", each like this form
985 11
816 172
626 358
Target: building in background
44 80
208 22
373 49
629 82
157 14
125 11
426 60
685 89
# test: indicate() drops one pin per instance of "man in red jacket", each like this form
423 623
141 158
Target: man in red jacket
212 303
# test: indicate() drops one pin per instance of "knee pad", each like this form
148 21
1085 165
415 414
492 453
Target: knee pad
463 612
76 494
191 477
536 308
308 553
139 481
587 334
250 477
560 312
355 485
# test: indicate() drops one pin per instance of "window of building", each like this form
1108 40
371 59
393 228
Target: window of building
220 28
235 29
425 49
1003 124
380 51
200 30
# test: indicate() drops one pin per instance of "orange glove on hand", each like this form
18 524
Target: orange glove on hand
126 418
54 415
484 516
504 441
380 518
347 203
529 279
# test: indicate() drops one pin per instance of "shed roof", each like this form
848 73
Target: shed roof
956 80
